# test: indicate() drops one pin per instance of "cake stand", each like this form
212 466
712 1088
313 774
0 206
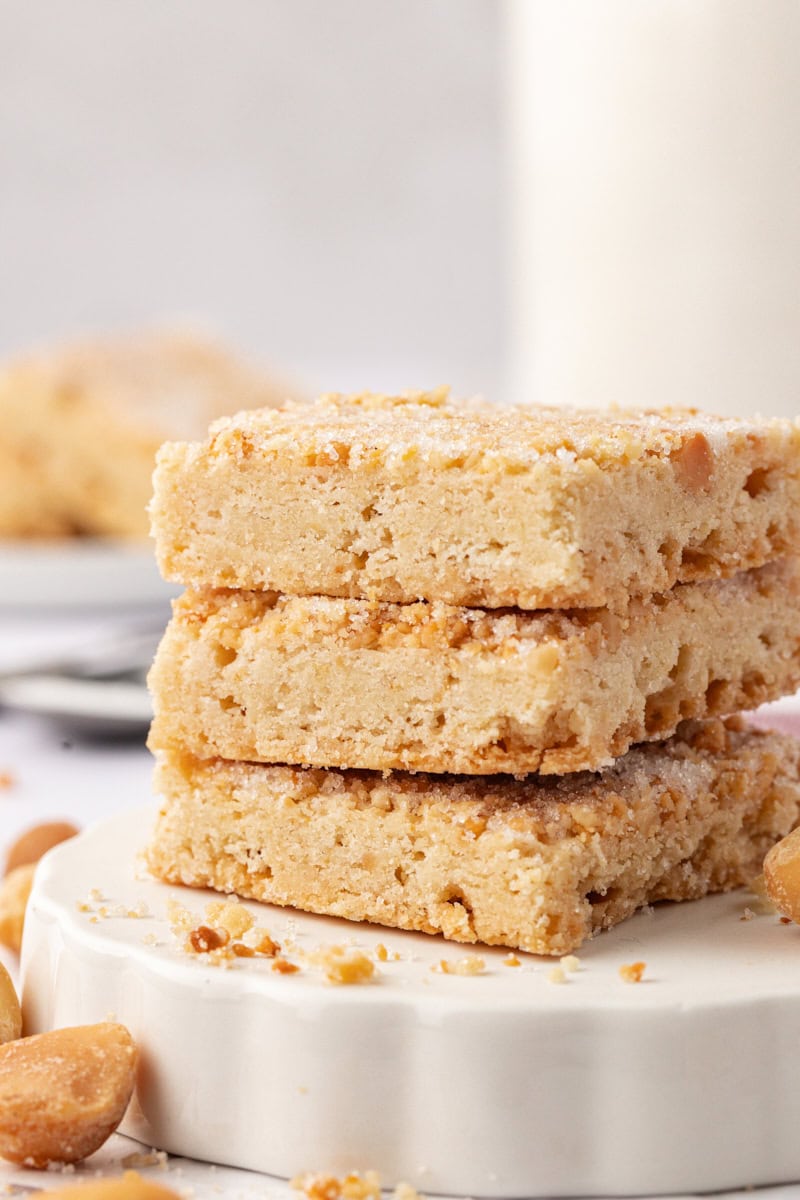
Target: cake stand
502 1084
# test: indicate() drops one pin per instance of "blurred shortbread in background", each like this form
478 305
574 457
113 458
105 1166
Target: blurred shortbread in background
82 422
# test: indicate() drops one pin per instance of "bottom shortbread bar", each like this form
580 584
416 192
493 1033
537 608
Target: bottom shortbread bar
536 863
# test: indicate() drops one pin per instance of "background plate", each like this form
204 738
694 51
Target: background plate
79 573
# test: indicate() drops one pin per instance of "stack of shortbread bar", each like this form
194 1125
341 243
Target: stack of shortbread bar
460 669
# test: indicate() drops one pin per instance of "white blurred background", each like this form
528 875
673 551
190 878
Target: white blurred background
552 200
319 181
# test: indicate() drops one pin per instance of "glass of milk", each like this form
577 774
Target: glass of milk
656 203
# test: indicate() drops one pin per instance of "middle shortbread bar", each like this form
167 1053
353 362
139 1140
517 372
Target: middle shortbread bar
429 687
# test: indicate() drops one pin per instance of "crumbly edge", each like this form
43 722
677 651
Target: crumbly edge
327 682
371 428
536 864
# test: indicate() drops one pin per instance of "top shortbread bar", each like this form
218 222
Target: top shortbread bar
417 496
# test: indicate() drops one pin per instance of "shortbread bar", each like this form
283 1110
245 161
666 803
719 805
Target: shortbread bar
537 864
419 497
81 426
428 687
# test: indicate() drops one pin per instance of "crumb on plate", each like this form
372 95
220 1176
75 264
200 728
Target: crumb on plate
343 964
353 1186
471 964
632 972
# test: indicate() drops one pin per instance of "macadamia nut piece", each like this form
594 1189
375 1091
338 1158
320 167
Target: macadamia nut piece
63 1093
33 843
130 1186
14 892
10 1013
782 875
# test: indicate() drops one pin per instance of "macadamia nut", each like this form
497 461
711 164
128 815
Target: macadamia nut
130 1186
782 875
14 892
10 1014
63 1093
33 843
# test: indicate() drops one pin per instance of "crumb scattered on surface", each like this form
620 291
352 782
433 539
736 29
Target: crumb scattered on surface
571 963
632 972
231 916
557 975
225 934
145 1158
343 964
472 964
404 1191
747 915
353 1186
180 919
101 909
204 939
284 967
7 780
511 960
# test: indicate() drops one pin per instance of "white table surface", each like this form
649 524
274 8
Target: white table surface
57 778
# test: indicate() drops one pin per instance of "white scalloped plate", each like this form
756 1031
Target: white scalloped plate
502 1084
